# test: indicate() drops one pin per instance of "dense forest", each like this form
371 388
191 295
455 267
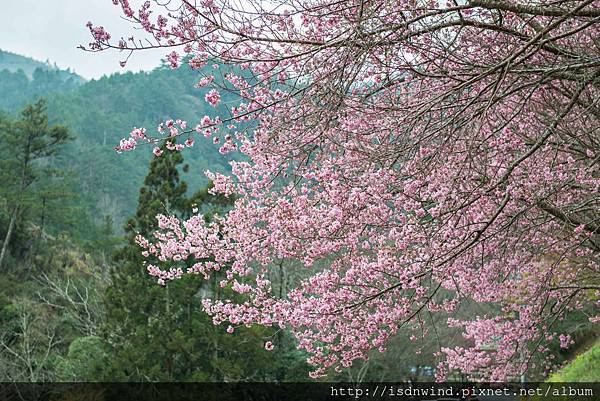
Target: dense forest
76 302
99 112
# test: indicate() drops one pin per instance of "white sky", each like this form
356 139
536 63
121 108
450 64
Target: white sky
52 30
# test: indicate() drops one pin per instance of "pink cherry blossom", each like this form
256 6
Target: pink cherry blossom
400 158
213 97
157 152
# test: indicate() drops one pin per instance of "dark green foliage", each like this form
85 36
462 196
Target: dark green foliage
28 149
86 360
134 302
27 140
46 305
161 333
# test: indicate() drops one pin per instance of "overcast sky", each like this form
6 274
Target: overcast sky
52 30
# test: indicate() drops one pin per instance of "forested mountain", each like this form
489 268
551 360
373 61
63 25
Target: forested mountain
14 62
99 113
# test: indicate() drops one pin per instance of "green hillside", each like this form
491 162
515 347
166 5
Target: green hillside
101 112
584 368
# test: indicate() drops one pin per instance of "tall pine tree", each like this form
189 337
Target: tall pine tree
159 333
27 146
138 310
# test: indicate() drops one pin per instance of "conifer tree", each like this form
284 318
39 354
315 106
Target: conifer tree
161 333
136 306
26 142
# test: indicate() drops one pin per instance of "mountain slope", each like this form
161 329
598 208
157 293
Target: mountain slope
15 62
101 112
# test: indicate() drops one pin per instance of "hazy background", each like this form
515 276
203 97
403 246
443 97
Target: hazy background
52 30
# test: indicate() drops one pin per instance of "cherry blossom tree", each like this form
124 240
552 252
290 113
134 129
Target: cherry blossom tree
413 155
